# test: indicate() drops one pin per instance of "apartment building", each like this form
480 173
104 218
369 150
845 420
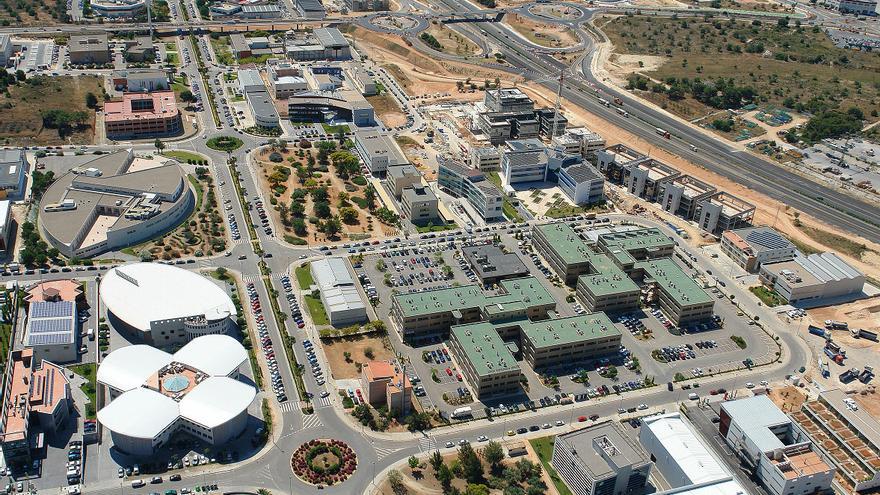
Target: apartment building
471 185
419 205
681 195
524 161
723 211
752 247
601 459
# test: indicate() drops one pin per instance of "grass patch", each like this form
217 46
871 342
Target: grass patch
199 191
836 242
507 207
335 129
304 277
184 156
437 228
316 310
89 372
803 247
767 296
296 241
225 143
544 449
565 210
739 341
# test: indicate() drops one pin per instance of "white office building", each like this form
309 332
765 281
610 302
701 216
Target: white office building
524 161
339 294
582 183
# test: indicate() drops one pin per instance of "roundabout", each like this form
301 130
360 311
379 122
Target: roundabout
395 23
323 462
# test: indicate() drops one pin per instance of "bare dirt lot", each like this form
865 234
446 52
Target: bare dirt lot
869 401
549 35
452 42
788 398
361 349
859 314
387 110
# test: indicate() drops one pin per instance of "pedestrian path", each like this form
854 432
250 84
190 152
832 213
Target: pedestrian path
323 402
250 278
427 444
383 452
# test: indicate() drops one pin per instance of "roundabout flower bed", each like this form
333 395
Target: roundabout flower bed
324 462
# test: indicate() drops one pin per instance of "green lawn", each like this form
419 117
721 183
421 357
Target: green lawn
544 448
437 228
89 372
304 277
199 191
184 156
507 207
335 129
767 296
316 309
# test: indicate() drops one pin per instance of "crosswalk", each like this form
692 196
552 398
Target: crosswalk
250 278
427 444
322 402
311 421
288 406
383 452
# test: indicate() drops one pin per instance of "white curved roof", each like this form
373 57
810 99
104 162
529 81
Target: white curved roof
139 413
129 367
140 293
216 355
216 400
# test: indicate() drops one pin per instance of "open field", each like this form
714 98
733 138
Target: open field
792 67
549 35
20 112
360 348
452 42
387 110
32 12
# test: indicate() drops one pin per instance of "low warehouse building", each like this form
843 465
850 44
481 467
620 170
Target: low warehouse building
339 294
810 280
752 247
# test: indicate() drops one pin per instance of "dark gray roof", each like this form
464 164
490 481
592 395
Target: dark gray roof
12 167
260 8
330 37
310 6
583 173
764 238
489 261
418 194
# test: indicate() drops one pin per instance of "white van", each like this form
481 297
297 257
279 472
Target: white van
138 483
693 396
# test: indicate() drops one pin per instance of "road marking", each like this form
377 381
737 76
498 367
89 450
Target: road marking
323 402
427 444
250 278
311 421
383 452
288 407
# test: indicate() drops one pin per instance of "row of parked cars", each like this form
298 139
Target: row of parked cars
264 217
313 362
233 227
266 343
295 311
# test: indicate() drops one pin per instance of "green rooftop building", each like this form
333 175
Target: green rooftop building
681 299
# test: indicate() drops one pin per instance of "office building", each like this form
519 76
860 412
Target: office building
142 116
250 80
386 385
485 158
614 160
629 246
752 247
285 79
555 342
683 458
601 459
400 177
378 150
320 44
366 5
52 331
810 280
679 297
484 359
722 212
855 7
113 201
582 184
549 123
644 178
507 100
88 49
140 80
263 109
156 395
471 185
359 78
422 316
13 173
165 306
847 436
6 226
492 265
260 11
770 444
524 161
419 205
57 290
239 46
223 10
118 9
509 113
331 107
5 49
579 141
36 401
339 294
140 49
681 195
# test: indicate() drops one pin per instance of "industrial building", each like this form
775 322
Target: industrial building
492 265
420 206
723 211
88 49
774 447
524 161
687 464
156 395
847 436
681 195
400 177
509 113
36 396
260 11
339 294
111 202
856 7
601 459
752 247
13 173
310 9
378 150
143 115
813 279
386 385
471 185
422 316
165 306
582 183
51 331
485 158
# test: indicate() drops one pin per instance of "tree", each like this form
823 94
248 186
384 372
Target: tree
91 100
322 209
349 215
419 421
370 197
436 460
413 462
444 476
187 96
297 209
346 164
332 226
299 226
20 75
395 480
159 145
476 489
471 467
493 453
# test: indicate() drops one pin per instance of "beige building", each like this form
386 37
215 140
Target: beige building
385 385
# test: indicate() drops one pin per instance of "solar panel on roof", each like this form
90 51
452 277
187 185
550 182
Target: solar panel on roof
767 238
50 326
49 339
51 309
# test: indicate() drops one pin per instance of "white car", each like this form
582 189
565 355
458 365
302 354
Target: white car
482 438
559 422
642 407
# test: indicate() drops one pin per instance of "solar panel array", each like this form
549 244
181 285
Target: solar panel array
52 309
51 323
767 238
50 339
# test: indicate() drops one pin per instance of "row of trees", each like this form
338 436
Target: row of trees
721 93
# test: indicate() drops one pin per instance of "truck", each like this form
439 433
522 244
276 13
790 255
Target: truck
867 334
836 325
462 412
813 329
849 375
835 348
604 102
91 334
622 112
662 132
837 358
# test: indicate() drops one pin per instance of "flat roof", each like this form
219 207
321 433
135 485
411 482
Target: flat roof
651 239
582 172
566 243
141 293
761 238
250 80
13 167
400 171
418 193
657 170
685 448
87 42
162 105
524 292
561 331
376 143
675 282
693 187
754 416
489 260
863 422
730 204
623 154
51 323
30 389
604 448
261 104
484 348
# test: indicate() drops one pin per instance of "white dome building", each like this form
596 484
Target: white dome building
156 395
163 305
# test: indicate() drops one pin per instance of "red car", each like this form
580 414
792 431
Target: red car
581 419
458 376
448 371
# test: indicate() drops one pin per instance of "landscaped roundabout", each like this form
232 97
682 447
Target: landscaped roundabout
324 462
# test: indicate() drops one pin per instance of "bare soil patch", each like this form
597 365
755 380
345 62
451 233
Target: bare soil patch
788 398
387 110
359 347
544 34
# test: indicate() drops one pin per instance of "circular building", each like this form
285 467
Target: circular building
156 395
163 305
